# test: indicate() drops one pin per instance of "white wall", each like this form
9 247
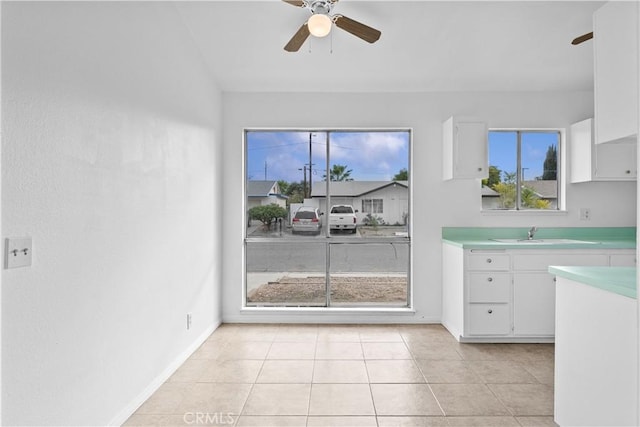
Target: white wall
435 203
111 132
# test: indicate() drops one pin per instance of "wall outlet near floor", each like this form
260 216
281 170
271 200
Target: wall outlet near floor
585 214
188 321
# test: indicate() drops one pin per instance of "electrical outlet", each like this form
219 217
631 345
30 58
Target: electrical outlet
18 252
585 214
188 321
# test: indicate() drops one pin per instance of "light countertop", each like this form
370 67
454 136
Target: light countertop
619 280
482 237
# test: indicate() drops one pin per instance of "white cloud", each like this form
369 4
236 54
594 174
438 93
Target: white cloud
371 155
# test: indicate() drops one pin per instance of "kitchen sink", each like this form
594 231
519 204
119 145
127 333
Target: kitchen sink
544 241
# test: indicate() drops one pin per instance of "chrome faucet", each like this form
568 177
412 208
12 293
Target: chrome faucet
531 232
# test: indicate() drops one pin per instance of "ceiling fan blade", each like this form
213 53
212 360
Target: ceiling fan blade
365 32
297 3
298 39
583 38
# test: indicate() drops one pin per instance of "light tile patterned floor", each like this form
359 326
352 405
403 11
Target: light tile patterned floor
354 375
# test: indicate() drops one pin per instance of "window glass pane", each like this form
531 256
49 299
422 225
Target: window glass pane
369 274
539 155
282 169
286 273
499 190
369 181
523 170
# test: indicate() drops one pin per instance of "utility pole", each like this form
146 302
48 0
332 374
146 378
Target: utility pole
304 185
265 170
310 176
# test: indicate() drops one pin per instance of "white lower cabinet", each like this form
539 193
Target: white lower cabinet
508 295
489 319
534 304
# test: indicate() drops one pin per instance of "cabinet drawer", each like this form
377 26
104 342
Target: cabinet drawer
488 319
489 287
488 261
623 260
542 262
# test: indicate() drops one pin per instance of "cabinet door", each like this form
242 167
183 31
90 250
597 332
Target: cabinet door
464 150
471 155
581 150
616 71
615 161
534 304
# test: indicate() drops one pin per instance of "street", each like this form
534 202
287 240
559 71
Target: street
297 256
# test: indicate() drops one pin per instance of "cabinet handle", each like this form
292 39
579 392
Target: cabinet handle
489 311
489 279
489 260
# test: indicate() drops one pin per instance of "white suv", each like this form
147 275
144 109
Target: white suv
307 219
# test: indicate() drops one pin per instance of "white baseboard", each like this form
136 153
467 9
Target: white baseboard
131 408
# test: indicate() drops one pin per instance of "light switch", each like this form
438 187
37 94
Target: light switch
18 252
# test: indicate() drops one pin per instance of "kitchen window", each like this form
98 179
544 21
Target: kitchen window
524 171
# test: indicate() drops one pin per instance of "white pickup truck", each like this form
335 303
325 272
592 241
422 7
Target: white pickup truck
343 217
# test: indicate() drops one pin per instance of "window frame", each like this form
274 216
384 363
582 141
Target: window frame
560 173
332 240
373 204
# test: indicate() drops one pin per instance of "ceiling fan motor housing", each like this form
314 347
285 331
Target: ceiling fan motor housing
322 7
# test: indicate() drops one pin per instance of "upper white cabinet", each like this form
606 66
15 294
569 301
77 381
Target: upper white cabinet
615 28
464 150
600 162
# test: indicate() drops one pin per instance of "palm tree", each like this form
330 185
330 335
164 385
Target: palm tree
339 173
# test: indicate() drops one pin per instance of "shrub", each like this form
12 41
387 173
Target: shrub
373 221
267 213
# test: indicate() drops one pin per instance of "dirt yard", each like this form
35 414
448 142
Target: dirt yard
311 290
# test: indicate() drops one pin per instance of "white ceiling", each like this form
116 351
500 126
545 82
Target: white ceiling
425 46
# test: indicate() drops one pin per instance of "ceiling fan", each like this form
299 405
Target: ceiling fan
583 38
321 21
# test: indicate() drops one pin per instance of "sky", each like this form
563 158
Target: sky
282 155
503 151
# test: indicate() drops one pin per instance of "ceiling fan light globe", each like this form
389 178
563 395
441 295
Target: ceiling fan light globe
319 25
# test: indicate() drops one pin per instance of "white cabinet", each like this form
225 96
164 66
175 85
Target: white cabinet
488 293
509 295
616 71
596 357
600 162
625 259
464 150
534 287
534 304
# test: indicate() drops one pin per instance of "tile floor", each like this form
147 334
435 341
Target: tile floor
354 375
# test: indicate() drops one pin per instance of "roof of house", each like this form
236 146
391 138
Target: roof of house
489 192
547 189
353 188
262 188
